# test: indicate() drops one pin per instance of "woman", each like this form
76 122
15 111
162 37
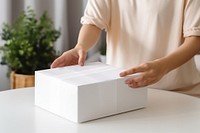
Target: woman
157 38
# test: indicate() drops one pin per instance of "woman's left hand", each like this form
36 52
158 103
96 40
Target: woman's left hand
151 72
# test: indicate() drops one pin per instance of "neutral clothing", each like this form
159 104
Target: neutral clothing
143 30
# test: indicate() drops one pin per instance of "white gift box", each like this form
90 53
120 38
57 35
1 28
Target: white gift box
83 93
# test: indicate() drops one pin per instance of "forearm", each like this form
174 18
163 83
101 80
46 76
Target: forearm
88 36
185 52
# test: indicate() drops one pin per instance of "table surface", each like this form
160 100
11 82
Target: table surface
167 112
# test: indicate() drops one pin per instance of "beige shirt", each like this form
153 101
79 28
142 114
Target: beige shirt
143 30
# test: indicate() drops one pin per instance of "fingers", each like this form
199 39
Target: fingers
141 81
144 79
59 62
150 73
72 57
141 68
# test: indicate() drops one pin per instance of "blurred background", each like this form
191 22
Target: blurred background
65 14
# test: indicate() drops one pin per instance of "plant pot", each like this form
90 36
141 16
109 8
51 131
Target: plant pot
21 80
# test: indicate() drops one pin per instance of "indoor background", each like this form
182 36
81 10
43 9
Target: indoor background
65 14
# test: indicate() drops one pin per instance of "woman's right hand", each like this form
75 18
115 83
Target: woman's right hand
88 36
72 57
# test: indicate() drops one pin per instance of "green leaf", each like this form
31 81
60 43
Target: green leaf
29 42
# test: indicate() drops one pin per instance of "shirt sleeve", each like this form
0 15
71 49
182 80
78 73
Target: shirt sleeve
97 12
191 24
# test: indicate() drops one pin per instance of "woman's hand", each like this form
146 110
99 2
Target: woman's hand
88 36
151 72
72 57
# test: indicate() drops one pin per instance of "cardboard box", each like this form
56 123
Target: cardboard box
83 93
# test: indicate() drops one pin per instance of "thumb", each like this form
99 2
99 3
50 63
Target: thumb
82 57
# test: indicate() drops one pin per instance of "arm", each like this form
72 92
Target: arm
153 71
185 52
88 36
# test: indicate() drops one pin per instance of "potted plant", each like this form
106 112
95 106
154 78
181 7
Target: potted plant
28 46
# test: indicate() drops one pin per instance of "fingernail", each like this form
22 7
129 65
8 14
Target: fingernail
121 74
81 63
127 81
51 66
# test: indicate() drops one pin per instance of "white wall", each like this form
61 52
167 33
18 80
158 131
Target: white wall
5 12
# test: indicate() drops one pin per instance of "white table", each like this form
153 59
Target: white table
167 112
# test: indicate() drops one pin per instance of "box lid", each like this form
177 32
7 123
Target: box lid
81 75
